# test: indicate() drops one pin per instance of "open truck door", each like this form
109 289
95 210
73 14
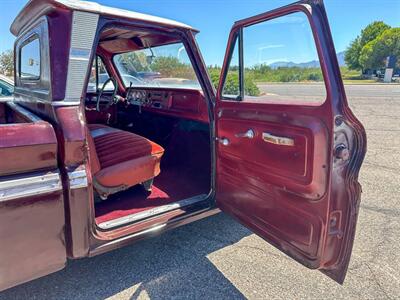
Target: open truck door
288 161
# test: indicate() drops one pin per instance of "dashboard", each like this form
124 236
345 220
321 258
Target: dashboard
155 99
189 104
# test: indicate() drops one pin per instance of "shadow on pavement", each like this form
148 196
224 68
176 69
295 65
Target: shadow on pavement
173 265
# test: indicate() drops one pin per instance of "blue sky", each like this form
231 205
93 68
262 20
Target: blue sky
214 18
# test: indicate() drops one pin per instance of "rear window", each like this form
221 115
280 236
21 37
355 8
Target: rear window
166 66
5 89
30 60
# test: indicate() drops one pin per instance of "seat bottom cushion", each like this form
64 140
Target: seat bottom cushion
129 173
125 159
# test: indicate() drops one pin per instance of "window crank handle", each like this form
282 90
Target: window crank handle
223 141
248 134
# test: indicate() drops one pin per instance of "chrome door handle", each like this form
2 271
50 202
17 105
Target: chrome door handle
277 140
248 134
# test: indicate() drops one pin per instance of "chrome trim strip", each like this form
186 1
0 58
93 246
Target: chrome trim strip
63 103
84 26
14 188
6 99
77 179
26 113
151 212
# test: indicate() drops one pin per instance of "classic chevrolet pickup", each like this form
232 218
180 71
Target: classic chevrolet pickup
116 133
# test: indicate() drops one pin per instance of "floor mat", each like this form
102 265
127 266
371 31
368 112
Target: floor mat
170 186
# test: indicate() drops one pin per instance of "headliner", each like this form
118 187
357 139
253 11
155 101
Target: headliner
119 40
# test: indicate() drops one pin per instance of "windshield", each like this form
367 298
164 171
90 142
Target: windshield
163 66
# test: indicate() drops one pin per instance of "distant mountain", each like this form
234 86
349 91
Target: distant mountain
289 64
340 57
309 64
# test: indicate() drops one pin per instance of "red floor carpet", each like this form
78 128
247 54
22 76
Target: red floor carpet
170 186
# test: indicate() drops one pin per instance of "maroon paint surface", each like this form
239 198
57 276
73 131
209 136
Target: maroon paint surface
31 228
300 199
187 104
31 234
21 153
26 146
289 197
82 237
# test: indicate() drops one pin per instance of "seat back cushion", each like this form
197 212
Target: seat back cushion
119 146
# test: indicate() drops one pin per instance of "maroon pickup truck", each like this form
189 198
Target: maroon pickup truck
97 153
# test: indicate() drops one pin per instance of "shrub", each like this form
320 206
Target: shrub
250 87
231 86
315 77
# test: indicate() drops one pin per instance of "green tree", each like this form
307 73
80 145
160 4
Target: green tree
375 52
368 34
352 55
7 63
133 62
372 31
170 66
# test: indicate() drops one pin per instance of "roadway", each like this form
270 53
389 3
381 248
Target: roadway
218 258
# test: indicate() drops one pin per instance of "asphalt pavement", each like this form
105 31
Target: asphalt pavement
218 258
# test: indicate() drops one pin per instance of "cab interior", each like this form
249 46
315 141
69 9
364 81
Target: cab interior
148 127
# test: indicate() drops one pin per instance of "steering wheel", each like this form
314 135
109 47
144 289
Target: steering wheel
114 97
